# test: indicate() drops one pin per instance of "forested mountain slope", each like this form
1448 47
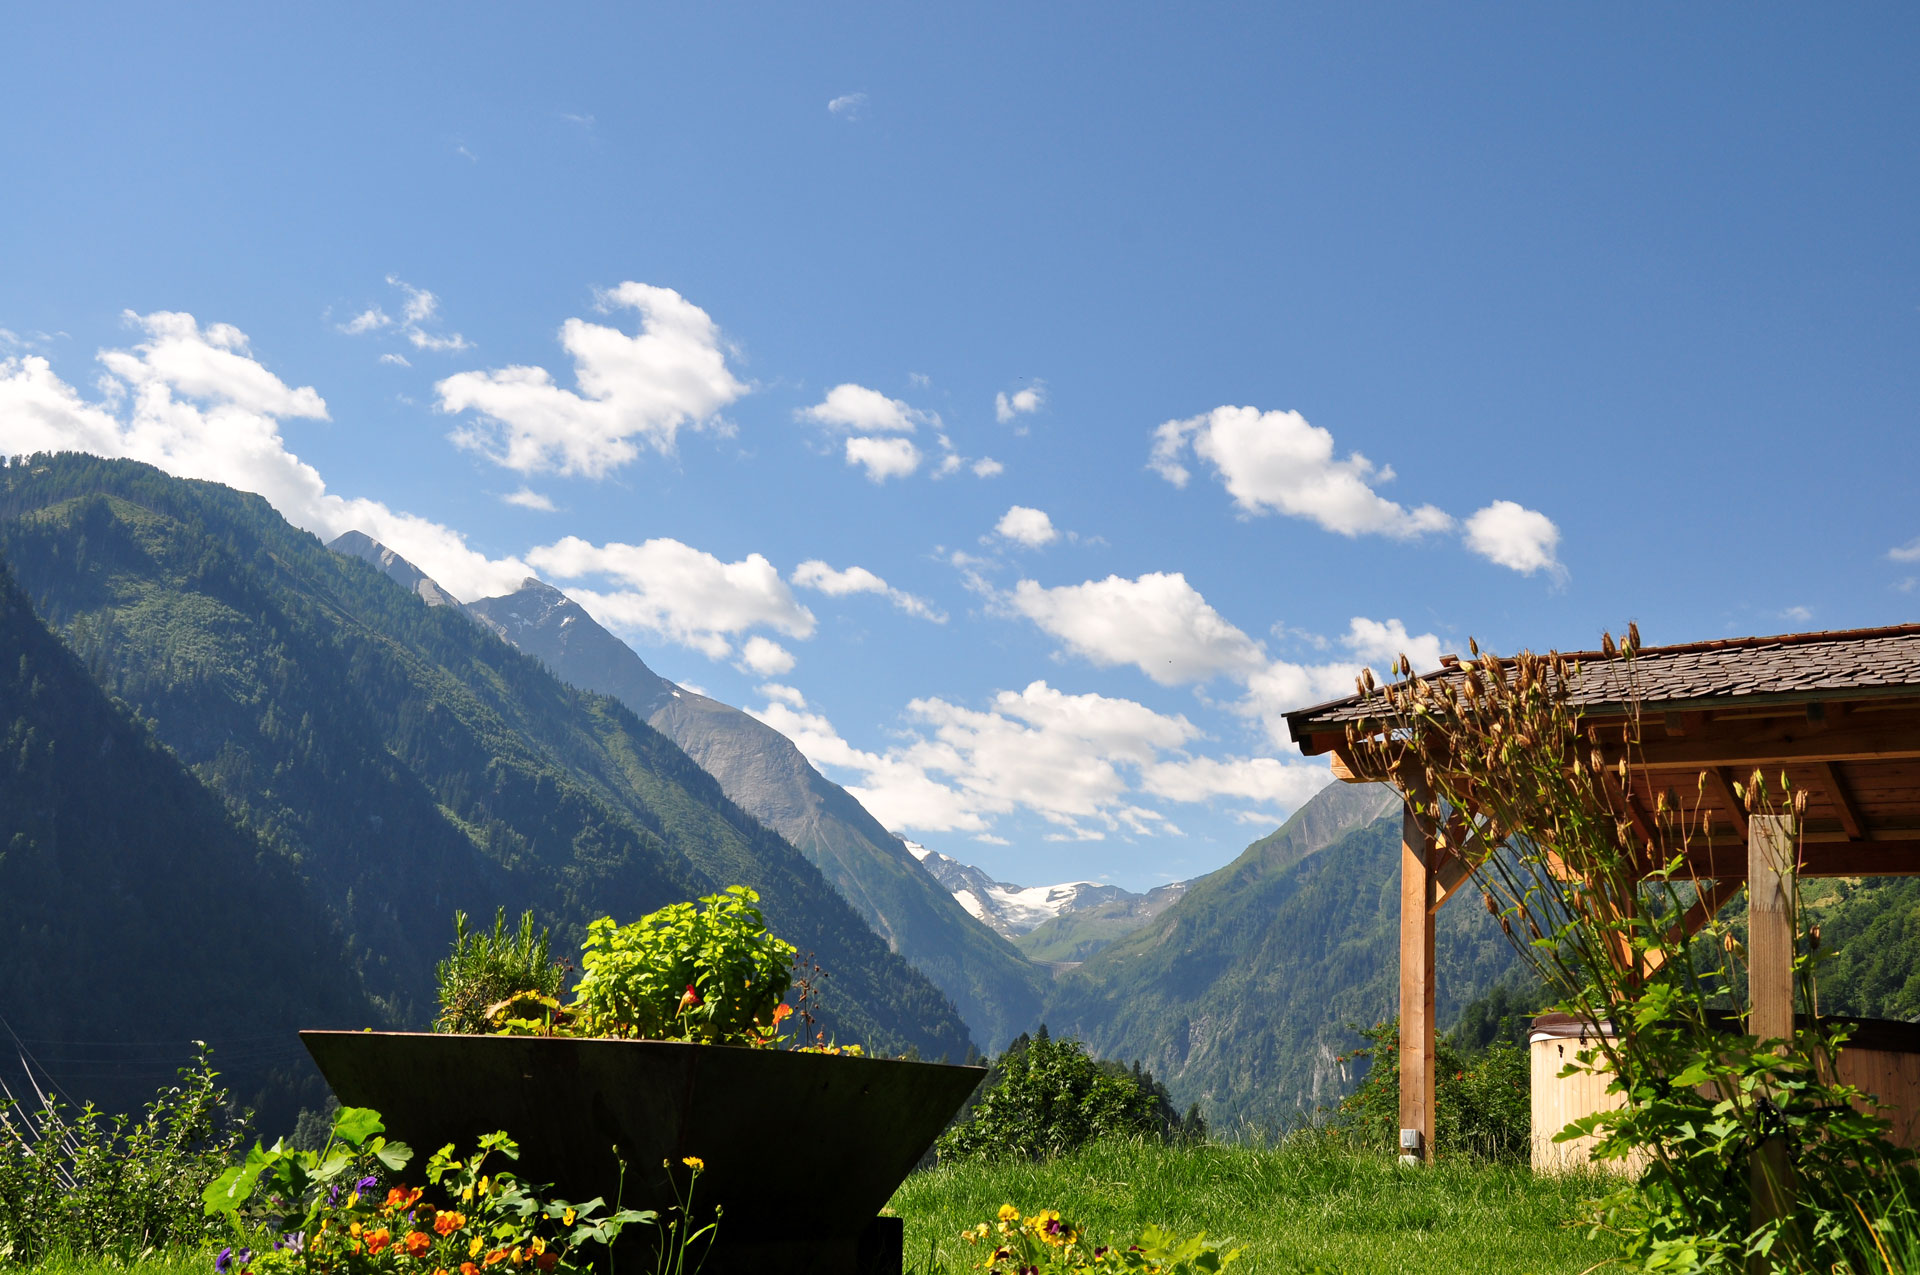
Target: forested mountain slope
996 989
136 915
399 758
1239 996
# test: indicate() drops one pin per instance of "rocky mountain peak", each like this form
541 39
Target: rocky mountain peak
358 544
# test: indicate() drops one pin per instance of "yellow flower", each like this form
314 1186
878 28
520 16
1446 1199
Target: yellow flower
466 1195
473 1249
568 1219
485 1186
539 1246
1009 1214
695 1163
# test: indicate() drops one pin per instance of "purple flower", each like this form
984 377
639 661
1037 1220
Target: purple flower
228 1258
295 1240
333 1195
366 1184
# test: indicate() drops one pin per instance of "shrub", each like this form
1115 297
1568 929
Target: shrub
486 969
1481 1103
1045 1097
92 1185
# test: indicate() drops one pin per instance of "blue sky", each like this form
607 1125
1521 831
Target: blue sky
1517 322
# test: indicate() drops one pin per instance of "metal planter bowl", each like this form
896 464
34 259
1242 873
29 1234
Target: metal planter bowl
801 1150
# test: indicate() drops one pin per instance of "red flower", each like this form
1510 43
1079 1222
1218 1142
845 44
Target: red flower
690 1001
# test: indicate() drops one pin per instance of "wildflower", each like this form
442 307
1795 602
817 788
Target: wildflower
567 1218
228 1258
354 1230
494 1258
295 1240
689 1001
366 1184
781 1013
448 1221
377 1240
485 1186
694 1162
468 1268
1009 1214
473 1249
547 1261
417 1244
401 1198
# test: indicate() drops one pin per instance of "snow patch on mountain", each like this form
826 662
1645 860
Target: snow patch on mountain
1011 909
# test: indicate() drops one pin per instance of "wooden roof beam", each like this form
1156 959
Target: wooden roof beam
1720 784
1849 813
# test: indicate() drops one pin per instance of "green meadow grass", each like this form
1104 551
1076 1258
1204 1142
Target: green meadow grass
1301 1207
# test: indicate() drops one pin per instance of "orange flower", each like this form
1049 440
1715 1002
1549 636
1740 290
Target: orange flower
691 1000
402 1198
468 1268
448 1222
494 1258
781 1013
377 1240
418 1243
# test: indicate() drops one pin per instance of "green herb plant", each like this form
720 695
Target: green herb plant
487 972
710 973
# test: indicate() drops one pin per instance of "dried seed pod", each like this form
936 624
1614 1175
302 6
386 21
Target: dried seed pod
1813 938
1633 635
1800 801
1606 645
1486 897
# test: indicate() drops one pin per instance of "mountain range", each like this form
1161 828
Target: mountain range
301 762
391 759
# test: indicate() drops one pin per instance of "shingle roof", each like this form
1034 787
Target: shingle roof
1709 674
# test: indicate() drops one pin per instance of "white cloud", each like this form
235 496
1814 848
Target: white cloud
883 458
857 409
1275 462
678 593
420 307
1030 527
787 695
1283 687
633 389
765 656
1908 552
1797 614
1515 537
194 401
370 319
815 574
988 467
527 498
1159 623
1194 779
1067 758
848 106
1022 402
394 360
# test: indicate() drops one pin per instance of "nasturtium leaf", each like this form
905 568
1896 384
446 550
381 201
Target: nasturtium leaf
357 1124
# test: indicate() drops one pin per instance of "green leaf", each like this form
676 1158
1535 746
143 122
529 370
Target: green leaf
355 1125
393 1154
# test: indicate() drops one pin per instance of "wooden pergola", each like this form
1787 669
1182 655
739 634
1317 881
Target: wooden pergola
1838 712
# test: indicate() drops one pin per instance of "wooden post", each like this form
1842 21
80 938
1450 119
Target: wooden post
1416 985
1770 869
